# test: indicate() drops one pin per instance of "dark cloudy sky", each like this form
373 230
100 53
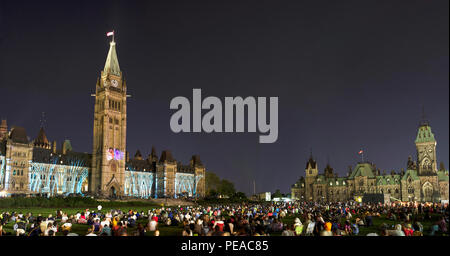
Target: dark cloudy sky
348 74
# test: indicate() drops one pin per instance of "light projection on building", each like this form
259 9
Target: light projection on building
56 178
114 153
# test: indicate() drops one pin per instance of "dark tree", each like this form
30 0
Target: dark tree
277 194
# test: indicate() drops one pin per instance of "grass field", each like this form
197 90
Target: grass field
377 222
81 229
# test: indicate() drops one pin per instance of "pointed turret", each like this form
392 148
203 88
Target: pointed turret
166 156
328 171
424 133
153 157
3 129
138 155
311 163
41 140
112 62
66 147
195 161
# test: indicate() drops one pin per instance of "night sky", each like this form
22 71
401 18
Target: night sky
348 74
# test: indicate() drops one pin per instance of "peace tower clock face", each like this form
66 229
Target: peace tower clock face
114 83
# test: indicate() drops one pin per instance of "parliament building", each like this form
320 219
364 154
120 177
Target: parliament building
39 167
419 181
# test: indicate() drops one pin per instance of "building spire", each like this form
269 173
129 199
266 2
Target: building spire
42 120
112 62
423 121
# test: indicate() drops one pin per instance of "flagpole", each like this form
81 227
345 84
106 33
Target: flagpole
362 155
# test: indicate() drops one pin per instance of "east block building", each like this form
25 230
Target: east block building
422 180
39 167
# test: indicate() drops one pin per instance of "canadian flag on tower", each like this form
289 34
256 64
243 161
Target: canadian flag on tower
360 152
110 33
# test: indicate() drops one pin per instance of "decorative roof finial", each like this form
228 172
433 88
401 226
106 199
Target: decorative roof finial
424 121
42 120
111 34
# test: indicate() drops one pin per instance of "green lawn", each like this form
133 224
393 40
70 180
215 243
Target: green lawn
81 229
377 222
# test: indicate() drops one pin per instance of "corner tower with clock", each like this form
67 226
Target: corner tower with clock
110 123
426 150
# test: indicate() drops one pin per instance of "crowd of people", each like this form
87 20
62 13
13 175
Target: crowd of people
263 219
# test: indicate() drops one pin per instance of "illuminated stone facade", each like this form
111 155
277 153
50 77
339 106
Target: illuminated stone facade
420 182
37 167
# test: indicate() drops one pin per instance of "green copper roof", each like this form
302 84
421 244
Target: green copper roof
442 175
112 62
424 134
321 179
412 173
362 169
388 180
336 182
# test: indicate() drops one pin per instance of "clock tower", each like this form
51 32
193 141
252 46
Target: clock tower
110 123
426 150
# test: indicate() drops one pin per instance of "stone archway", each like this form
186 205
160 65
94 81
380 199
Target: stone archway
427 190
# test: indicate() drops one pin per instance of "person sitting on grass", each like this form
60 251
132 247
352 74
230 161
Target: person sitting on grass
355 228
287 231
64 217
35 229
43 225
20 227
118 231
30 218
106 230
105 221
397 231
82 219
442 225
91 232
298 227
66 226
327 230
96 226
407 229
418 226
348 228
368 220
123 232
51 230
140 230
